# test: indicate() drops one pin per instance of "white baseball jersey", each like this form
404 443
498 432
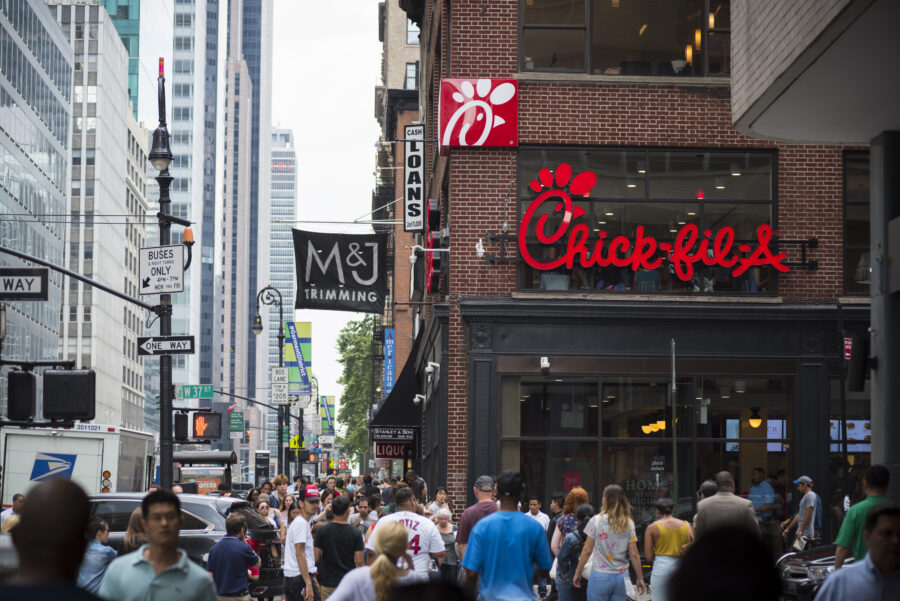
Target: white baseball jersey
423 538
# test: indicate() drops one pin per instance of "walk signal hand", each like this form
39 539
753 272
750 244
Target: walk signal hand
200 426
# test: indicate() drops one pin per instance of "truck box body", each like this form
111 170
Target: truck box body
99 458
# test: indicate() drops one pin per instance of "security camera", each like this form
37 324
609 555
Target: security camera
432 367
545 364
418 398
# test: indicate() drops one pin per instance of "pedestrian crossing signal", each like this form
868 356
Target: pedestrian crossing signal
207 425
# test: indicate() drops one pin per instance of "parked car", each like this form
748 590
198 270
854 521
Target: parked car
802 573
204 525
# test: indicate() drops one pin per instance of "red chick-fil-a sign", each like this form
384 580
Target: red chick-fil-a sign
479 112
689 248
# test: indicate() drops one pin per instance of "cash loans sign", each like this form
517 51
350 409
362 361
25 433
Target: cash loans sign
710 248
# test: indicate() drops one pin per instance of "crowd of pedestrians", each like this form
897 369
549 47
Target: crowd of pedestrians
383 541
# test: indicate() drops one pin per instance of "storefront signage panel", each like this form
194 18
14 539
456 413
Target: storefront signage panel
391 450
690 246
414 178
392 434
479 112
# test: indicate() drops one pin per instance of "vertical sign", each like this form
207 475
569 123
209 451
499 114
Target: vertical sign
298 357
388 362
326 412
414 178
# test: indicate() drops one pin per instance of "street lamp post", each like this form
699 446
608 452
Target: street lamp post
271 296
161 158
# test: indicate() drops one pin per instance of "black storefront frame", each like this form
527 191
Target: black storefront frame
773 202
691 408
793 340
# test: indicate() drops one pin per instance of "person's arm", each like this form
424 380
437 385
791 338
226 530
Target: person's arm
357 558
806 519
636 564
471 582
840 555
650 535
300 551
556 543
318 554
582 560
438 557
461 550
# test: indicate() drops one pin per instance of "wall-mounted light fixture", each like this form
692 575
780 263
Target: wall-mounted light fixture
418 247
755 420
418 398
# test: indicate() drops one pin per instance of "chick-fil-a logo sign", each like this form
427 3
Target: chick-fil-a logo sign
688 249
479 112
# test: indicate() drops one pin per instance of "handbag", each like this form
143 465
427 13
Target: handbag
586 570
553 569
799 543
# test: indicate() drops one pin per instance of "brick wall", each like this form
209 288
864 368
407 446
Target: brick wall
592 111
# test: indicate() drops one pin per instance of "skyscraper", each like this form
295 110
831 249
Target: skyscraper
35 95
107 205
281 276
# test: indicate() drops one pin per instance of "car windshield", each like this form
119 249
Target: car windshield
254 520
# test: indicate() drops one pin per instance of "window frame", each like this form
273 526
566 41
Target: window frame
844 204
649 199
588 38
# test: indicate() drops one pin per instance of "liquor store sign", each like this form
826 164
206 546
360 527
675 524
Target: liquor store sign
641 251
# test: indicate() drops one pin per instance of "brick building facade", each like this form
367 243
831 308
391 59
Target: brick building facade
764 348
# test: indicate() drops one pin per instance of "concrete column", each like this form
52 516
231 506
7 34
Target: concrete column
885 290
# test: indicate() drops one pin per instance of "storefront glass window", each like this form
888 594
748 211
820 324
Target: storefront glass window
857 270
641 407
627 37
744 408
542 406
657 192
554 468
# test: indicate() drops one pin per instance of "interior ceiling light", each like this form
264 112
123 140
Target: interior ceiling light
645 429
641 167
698 37
735 169
689 54
740 386
755 420
653 427
642 29
661 424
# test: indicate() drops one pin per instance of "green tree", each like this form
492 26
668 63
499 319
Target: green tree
355 348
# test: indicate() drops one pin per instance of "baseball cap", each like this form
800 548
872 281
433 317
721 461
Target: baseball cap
803 480
311 492
484 483
510 484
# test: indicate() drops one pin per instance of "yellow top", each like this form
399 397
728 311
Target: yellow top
671 541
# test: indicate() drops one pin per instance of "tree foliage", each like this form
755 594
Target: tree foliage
355 356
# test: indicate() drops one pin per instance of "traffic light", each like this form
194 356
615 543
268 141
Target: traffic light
22 395
69 394
207 425
248 435
181 426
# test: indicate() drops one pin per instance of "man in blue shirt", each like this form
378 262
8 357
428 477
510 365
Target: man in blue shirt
877 577
97 556
229 559
763 497
505 547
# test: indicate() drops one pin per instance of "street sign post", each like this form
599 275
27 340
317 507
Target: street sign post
280 394
166 345
161 269
280 375
236 422
24 284
194 391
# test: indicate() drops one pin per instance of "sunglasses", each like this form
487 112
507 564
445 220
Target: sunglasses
263 507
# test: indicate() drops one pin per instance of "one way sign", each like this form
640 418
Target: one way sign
166 345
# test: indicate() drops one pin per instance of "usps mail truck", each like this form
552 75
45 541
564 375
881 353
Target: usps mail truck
99 458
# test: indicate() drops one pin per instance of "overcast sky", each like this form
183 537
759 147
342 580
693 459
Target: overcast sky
327 62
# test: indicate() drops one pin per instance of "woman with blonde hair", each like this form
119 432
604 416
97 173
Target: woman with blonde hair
376 582
610 541
567 522
135 536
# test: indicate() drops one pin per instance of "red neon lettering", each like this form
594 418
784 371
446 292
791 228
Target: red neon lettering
644 251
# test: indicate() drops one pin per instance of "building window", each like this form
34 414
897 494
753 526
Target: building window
632 37
412 76
857 270
412 33
660 191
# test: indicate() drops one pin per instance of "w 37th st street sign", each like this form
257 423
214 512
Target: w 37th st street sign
166 345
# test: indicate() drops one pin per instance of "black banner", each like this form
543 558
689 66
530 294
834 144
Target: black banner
340 272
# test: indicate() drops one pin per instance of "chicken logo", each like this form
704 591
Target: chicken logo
479 112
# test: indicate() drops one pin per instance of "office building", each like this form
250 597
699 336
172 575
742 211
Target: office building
107 208
35 129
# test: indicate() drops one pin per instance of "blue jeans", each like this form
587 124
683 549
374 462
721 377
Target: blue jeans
606 587
567 592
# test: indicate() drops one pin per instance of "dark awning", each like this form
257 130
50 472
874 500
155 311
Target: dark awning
398 409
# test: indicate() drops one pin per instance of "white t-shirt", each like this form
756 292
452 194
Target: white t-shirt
423 538
299 532
356 585
541 517
5 514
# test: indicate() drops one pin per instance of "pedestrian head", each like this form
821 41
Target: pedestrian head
50 537
311 500
418 489
326 496
362 506
252 495
577 496
443 516
177 489
411 476
162 519
556 503
724 481
664 506
484 488
876 481
18 501
135 535
330 482
340 505
235 524
583 515
758 475
804 484
404 499
367 479
390 544
729 563
510 486
617 507
375 502
707 489
265 487
534 504
340 483
440 495
153 487
98 530
882 536
293 512
286 503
